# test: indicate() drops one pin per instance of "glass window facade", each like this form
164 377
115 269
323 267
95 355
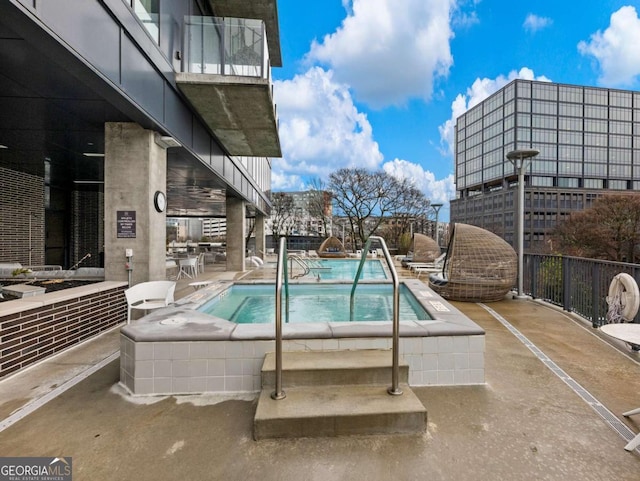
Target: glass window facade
587 138
569 125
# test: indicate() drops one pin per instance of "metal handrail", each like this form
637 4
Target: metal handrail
395 345
280 270
363 259
301 263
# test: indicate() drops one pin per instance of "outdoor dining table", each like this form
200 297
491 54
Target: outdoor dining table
629 333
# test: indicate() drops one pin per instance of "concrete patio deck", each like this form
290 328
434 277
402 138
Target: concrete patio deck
525 423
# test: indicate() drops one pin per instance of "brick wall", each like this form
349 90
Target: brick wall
35 334
21 197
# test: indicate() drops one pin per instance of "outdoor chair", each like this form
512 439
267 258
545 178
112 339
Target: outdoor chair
172 268
149 295
479 266
424 248
188 267
331 248
200 265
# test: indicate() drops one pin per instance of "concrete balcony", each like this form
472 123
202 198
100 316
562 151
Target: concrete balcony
265 10
227 79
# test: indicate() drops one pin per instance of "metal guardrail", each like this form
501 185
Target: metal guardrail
576 284
226 46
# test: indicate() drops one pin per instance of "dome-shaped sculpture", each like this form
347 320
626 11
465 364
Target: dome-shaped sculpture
479 267
332 248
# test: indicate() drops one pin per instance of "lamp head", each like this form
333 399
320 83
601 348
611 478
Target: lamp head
522 154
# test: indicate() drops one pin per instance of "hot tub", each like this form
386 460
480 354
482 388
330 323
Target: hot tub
181 350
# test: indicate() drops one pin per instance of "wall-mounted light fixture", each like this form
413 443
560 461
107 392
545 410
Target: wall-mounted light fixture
166 141
92 154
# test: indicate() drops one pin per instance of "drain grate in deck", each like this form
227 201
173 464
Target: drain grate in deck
610 418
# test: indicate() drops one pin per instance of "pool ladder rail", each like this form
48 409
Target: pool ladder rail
281 273
307 265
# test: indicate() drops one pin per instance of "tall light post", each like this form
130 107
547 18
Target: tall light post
520 160
437 207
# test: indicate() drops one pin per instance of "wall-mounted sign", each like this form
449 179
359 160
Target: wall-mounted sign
126 224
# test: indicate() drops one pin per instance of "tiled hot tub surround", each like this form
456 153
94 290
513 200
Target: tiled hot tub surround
182 351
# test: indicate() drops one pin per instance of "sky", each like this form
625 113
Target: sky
378 84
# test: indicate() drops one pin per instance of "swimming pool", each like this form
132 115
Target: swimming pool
346 269
255 304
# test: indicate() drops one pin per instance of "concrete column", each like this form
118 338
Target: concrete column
236 231
260 236
135 168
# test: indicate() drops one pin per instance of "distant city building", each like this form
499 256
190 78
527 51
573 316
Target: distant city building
212 228
304 220
184 229
589 143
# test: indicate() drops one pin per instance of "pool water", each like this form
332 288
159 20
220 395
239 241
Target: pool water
345 269
254 304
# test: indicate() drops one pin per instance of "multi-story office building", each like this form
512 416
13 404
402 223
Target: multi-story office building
589 144
115 114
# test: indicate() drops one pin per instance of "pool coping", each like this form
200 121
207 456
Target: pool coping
182 321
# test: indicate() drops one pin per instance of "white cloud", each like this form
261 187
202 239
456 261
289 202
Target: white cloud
533 22
479 90
283 182
438 191
616 49
389 51
465 20
321 130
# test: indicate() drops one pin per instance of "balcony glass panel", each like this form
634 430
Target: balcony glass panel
148 12
226 46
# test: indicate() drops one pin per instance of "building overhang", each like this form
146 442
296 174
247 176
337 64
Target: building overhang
265 10
239 111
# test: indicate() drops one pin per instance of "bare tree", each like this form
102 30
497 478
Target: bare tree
282 214
412 206
610 230
320 203
366 199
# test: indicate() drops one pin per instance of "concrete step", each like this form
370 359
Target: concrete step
305 368
318 411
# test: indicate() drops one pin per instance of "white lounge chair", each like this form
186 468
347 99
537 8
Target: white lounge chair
149 295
